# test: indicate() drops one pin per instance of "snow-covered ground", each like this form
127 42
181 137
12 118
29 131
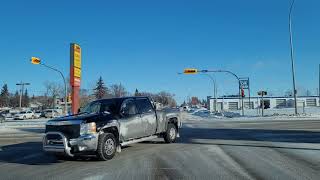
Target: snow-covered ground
24 123
22 127
254 114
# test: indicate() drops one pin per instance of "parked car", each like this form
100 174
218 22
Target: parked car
104 126
24 115
51 113
37 114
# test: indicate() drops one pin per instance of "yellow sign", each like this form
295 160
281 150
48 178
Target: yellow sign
35 60
77 56
77 72
190 71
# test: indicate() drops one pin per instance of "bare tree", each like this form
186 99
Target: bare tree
165 98
53 90
308 92
85 97
288 93
118 90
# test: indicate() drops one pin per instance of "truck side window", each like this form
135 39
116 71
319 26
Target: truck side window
144 105
128 108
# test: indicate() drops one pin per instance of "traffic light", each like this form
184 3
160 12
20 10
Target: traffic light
35 60
190 71
242 92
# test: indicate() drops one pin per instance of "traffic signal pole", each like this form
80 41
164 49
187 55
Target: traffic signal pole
239 85
196 71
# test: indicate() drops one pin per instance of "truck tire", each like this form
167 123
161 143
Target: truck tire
107 146
170 135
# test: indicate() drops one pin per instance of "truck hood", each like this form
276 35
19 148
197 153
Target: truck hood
80 118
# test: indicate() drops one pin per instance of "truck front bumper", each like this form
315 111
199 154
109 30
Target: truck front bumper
56 142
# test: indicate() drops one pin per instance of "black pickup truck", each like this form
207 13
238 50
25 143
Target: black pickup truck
104 126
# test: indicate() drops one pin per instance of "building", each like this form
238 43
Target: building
233 103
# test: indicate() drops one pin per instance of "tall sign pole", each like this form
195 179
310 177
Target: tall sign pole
21 84
75 76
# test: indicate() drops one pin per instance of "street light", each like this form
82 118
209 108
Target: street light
37 61
214 90
292 61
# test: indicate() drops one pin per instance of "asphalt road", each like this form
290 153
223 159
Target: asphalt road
206 150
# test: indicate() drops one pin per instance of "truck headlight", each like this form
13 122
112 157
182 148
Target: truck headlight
88 128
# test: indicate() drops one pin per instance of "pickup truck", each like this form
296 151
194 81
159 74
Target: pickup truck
104 126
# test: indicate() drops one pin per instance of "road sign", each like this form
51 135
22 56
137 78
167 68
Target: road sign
35 60
244 83
190 71
262 93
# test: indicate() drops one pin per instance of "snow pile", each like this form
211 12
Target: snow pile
23 123
206 114
312 112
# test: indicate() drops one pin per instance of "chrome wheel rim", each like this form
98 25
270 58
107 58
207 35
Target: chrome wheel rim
109 147
172 133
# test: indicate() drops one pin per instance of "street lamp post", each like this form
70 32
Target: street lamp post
38 61
214 90
292 60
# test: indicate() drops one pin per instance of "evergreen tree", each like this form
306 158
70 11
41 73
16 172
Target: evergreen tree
25 99
101 90
14 100
136 93
4 96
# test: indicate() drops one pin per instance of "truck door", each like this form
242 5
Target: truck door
148 116
130 121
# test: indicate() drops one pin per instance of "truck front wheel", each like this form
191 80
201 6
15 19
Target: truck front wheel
170 135
106 146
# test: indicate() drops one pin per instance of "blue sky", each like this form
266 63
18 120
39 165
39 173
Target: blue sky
143 44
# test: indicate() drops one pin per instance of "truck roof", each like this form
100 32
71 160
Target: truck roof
120 99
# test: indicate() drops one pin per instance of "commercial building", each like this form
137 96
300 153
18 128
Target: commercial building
233 103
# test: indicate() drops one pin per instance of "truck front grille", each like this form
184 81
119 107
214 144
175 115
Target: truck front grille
70 131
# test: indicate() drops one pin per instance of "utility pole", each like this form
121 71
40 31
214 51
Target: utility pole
292 61
21 84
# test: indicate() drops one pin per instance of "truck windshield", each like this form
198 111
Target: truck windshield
96 107
92 108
